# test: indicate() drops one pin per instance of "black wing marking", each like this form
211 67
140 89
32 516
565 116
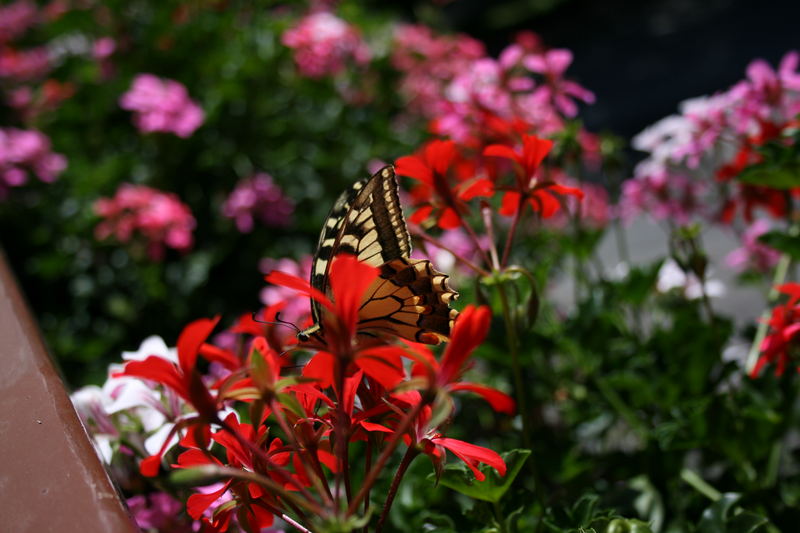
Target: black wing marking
366 221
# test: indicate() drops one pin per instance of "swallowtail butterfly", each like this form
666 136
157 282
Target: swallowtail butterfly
410 298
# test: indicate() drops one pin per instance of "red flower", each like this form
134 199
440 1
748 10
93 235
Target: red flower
434 443
778 346
529 188
442 199
469 332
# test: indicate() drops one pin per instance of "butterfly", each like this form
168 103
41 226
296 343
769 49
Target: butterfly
410 298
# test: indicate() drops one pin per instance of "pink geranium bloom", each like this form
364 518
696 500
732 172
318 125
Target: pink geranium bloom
25 152
162 105
323 44
258 197
753 254
159 218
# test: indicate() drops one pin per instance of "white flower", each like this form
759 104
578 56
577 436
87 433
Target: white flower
671 276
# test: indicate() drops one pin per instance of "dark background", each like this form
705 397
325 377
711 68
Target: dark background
640 57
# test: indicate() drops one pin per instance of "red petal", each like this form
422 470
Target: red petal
499 401
350 279
328 459
545 203
198 503
150 465
190 340
414 167
501 150
449 219
159 370
440 155
216 354
300 285
321 367
510 203
563 189
482 187
470 454
191 458
382 364
421 215
534 150
469 332
369 426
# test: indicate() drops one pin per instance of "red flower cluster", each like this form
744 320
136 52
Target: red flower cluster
449 175
290 456
783 341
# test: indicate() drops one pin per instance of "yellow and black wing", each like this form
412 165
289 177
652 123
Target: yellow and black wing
410 298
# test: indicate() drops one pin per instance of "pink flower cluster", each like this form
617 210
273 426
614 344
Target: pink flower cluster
162 105
159 218
24 65
715 137
295 310
258 197
323 44
452 81
753 254
16 18
23 152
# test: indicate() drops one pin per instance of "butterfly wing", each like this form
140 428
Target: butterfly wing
366 221
410 298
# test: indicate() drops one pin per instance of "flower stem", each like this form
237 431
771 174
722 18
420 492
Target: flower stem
416 230
512 231
315 473
395 439
409 456
516 367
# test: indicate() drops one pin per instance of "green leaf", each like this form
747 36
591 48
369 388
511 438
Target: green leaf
725 516
460 478
770 175
627 525
783 242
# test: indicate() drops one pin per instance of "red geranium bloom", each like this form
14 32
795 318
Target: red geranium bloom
469 332
183 378
784 323
434 443
349 281
530 188
442 199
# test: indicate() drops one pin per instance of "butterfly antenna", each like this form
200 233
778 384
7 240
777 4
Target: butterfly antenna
278 322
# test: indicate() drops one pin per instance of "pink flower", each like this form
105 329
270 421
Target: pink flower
294 309
16 18
753 254
159 511
562 93
323 44
24 65
23 152
258 197
159 218
162 105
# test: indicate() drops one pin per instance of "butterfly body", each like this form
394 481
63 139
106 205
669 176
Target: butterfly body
410 298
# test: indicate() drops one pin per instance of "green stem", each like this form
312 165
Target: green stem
700 485
516 366
409 456
395 439
498 515
621 408
778 278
